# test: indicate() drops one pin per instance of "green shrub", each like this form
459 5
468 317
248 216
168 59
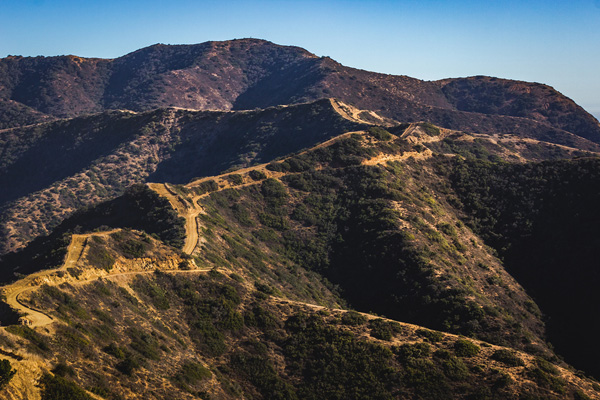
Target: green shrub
273 190
257 175
98 256
260 371
235 179
278 167
546 366
115 351
261 318
507 357
547 380
133 248
59 388
431 336
6 373
334 363
128 365
382 329
190 374
353 318
379 133
407 352
27 333
465 348
206 187
62 369
156 293
430 129
455 369
144 344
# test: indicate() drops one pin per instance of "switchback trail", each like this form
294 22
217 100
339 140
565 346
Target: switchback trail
38 318
189 209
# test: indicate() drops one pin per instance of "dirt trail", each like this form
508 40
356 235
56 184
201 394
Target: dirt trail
354 114
14 291
382 158
38 318
188 211
77 245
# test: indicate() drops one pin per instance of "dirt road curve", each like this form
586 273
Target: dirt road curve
37 318
189 212
14 291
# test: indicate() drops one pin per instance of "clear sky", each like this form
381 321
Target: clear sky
556 42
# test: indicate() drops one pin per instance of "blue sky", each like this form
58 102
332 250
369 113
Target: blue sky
553 42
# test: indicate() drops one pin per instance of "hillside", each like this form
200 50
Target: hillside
258 306
250 73
101 155
246 220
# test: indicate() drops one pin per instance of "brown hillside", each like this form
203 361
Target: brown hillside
250 73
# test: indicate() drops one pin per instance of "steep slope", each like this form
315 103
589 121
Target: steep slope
534 101
138 208
49 170
207 76
258 308
542 220
236 342
365 218
249 73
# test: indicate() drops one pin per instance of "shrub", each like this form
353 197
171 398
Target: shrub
431 336
191 373
257 175
115 351
132 248
97 254
62 369
206 187
235 179
430 129
6 373
59 388
507 357
382 329
27 333
465 348
408 352
379 133
273 189
353 318
128 365
547 380
455 369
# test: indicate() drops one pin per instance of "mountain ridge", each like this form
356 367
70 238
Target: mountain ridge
250 73
361 204
222 220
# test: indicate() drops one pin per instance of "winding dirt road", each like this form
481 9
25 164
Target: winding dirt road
188 211
14 291
186 207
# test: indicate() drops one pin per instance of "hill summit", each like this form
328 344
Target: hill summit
250 73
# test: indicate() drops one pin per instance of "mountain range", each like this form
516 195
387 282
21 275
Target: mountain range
241 219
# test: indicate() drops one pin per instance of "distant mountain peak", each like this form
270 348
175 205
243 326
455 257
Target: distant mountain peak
250 73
